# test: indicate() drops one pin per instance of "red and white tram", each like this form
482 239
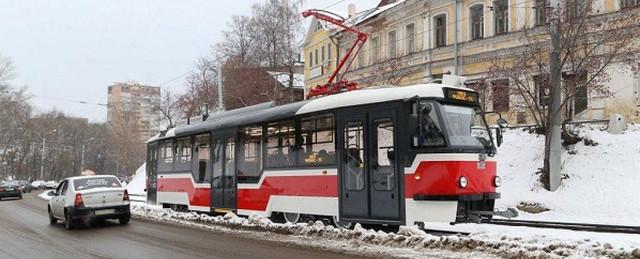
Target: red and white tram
397 156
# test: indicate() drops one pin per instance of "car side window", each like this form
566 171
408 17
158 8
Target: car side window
65 186
59 189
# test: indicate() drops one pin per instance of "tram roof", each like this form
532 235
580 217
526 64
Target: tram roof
269 111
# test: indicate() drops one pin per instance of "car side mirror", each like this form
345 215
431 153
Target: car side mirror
502 123
498 136
52 193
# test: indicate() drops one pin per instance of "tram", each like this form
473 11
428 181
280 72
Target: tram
392 155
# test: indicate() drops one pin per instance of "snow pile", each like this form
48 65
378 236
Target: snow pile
480 244
601 181
44 196
137 186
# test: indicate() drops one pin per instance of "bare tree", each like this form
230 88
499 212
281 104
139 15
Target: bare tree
7 70
390 71
590 45
126 147
239 42
201 95
169 108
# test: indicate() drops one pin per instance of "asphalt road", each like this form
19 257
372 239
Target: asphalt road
25 233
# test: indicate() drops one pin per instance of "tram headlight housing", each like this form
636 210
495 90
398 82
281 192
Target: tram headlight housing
463 182
497 181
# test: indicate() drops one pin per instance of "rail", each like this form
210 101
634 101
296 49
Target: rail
567 225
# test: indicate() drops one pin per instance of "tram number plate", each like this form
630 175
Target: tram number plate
105 212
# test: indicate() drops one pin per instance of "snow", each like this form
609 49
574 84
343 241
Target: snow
485 241
603 180
374 95
138 185
283 79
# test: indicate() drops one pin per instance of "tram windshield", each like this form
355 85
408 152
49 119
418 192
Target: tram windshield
462 126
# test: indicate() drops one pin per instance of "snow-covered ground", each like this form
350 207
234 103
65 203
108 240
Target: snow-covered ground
602 184
138 185
410 242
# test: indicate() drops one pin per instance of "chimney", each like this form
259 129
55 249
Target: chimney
351 10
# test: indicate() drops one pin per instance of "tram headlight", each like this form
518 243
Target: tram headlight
497 181
462 182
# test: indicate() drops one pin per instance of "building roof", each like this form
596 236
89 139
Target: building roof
283 79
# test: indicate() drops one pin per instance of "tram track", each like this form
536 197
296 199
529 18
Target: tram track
603 228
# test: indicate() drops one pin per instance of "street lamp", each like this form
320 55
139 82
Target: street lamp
44 139
82 159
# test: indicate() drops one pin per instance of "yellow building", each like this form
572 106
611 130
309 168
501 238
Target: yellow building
320 54
417 41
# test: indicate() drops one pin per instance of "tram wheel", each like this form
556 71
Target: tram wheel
345 225
291 217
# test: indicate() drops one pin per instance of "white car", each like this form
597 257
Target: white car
87 199
50 185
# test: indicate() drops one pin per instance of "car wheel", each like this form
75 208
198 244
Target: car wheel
68 224
52 219
124 219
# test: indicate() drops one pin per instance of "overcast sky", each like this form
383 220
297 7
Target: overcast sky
72 50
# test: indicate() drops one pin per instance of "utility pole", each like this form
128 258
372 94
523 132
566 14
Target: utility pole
220 99
44 140
82 156
555 146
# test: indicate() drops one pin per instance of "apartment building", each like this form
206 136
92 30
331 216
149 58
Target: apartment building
134 106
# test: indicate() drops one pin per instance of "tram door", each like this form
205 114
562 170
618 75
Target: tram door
368 165
223 184
152 172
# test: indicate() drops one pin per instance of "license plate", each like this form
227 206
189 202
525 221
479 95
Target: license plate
10 190
105 212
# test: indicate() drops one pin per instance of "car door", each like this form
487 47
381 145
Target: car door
57 207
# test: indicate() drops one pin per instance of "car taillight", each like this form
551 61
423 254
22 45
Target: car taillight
78 202
1 189
126 196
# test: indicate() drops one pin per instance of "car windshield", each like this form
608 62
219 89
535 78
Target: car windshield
96 182
465 127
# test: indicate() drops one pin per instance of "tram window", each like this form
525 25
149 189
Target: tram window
218 163
432 133
202 171
184 150
354 152
249 154
383 178
318 146
167 152
281 144
229 163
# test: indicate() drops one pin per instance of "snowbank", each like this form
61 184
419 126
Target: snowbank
409 241
602 180
136 187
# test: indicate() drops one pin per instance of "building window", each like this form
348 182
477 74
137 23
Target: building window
440 23
361 59
249 154
310 58
391 38
629 3
316 56
477 21
329 51
543 89
541 11
410 32
500 95
317 141
375 49
280 144
323 55
501 16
